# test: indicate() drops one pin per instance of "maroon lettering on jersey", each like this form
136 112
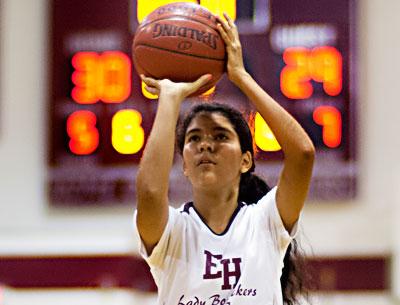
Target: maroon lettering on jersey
218 267
228 273
210 264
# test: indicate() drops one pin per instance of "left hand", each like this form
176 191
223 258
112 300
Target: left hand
174 90
230 35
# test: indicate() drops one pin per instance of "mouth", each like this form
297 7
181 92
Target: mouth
205 161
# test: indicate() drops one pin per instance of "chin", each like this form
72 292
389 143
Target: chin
207 180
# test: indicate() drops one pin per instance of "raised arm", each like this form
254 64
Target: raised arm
153 175
297 147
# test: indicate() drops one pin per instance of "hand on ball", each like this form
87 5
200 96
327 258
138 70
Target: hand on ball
230 35
175 90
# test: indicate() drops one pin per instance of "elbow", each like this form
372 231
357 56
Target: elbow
307 152
148 192
303 153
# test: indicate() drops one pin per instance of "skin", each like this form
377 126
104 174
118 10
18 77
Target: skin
215 186
213 162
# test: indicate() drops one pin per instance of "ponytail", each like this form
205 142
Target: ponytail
252 188
295 276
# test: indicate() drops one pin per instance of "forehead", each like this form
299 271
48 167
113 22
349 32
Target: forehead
210 120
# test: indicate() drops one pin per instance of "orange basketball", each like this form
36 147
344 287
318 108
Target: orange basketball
179 41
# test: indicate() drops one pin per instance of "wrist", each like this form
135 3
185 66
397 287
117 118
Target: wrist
171 101
238 77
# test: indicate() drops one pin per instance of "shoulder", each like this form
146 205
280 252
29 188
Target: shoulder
266 202
269 197
265 212
182 216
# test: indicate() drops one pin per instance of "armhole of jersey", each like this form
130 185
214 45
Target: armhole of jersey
293 232
274 219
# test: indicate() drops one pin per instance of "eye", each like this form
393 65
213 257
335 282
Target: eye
193 138
221 137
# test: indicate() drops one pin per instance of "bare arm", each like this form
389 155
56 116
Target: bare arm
153 175
297 147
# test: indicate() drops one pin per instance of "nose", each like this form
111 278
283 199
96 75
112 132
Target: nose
206 145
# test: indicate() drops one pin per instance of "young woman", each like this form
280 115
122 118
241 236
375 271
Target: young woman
228 245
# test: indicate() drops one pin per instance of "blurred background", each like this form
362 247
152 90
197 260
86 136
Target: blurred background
66 214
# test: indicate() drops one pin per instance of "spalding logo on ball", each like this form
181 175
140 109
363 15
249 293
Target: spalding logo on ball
179 41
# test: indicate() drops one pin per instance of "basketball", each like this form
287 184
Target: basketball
179 41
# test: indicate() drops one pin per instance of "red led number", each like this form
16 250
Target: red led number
322 64
326 68
105 77
82 131
330 119
127 133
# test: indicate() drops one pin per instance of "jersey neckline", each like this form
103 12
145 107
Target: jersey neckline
189 205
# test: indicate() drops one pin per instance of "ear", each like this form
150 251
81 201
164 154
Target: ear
247 162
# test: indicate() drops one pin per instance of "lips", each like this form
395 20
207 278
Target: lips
205 161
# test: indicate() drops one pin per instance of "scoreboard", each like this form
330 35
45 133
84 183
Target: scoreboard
100 115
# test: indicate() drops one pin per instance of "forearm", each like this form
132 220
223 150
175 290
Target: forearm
297 147
153 176
290 135
155 165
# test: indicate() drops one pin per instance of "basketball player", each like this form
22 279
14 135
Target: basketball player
228 245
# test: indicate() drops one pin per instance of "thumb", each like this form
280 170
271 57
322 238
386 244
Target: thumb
201 81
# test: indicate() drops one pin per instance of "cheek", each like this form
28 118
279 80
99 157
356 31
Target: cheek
187 155
233 158
233 151
185 152
189 148
188 162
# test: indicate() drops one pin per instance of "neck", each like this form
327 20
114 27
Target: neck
216 206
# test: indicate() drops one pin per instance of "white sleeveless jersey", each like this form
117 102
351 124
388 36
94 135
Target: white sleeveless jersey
192 265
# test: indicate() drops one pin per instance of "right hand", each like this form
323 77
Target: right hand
177 91
229 33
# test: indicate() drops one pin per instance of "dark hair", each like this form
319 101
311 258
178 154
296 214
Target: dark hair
251 189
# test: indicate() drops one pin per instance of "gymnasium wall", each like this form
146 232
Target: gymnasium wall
365 227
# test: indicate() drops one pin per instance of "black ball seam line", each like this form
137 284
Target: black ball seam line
177 52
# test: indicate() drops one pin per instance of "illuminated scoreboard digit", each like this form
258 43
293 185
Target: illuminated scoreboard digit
101 114
322 64
105 77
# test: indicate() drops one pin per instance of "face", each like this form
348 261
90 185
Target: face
212 156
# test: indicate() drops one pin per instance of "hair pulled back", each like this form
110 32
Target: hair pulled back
251 189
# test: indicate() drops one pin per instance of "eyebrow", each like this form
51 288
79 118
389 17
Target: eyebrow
193 130
218 128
